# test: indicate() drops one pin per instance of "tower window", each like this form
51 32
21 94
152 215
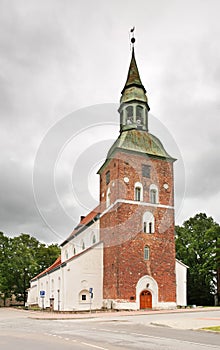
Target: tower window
146 170
148 222
146 253
139 115
153 194
137 194
129 111
107 177
108 201
93 239
83 245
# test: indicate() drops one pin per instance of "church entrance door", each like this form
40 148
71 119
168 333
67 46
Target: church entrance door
145 300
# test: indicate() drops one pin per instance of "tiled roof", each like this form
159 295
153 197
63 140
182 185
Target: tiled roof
85 221
56 263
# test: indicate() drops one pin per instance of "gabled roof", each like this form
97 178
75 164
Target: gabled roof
84 223
56 263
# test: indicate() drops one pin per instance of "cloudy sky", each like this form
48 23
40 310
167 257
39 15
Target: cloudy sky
63 66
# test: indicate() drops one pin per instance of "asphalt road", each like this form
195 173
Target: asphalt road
20 332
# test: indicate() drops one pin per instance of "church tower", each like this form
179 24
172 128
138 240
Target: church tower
137 201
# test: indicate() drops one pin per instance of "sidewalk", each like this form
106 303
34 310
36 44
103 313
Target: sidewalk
108 314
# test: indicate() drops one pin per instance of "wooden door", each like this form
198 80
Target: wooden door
145 300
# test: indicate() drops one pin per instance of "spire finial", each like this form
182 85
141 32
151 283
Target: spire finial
132 37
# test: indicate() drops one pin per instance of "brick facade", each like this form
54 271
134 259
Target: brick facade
121 228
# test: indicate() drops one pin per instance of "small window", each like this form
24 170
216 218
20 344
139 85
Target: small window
137 193
66 254
129 112
83 245
139 115
83 296
148 222
146 253
153 196
146 170
93 239
107 177
108 199
74 251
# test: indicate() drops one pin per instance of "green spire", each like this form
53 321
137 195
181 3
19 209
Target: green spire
133 78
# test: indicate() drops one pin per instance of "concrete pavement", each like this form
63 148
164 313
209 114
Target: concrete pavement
179 318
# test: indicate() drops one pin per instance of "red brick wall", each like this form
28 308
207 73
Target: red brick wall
122 229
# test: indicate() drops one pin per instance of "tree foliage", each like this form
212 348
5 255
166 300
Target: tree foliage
22 258
197 243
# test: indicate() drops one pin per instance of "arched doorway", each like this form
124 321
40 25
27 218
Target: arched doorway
145 300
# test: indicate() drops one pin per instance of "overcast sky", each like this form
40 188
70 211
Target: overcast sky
63 66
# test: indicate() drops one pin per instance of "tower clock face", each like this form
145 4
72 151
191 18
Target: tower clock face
166 186
126 180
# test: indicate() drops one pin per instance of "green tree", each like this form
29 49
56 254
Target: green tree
22 258
196 246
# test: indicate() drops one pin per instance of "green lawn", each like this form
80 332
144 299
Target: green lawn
215 329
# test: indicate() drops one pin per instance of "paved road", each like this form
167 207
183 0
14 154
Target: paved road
106 332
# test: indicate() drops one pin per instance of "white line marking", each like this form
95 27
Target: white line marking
67 338
178 340
94 346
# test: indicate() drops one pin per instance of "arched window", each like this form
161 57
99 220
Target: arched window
52 285
93 239
84 296
146 253
148 222
66 254
153 194
108 194
138 192
83 245
139 114
129 112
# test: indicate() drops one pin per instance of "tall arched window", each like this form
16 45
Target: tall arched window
108 194
154 194
146 253
129 112
148 222
138 192
139 114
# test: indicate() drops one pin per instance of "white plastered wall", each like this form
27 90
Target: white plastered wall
86 236
181 283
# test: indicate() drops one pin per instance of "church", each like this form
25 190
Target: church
122 254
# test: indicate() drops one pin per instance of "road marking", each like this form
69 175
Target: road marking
94 346
67 338
177 340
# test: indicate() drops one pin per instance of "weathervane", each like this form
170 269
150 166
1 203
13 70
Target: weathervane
132 37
